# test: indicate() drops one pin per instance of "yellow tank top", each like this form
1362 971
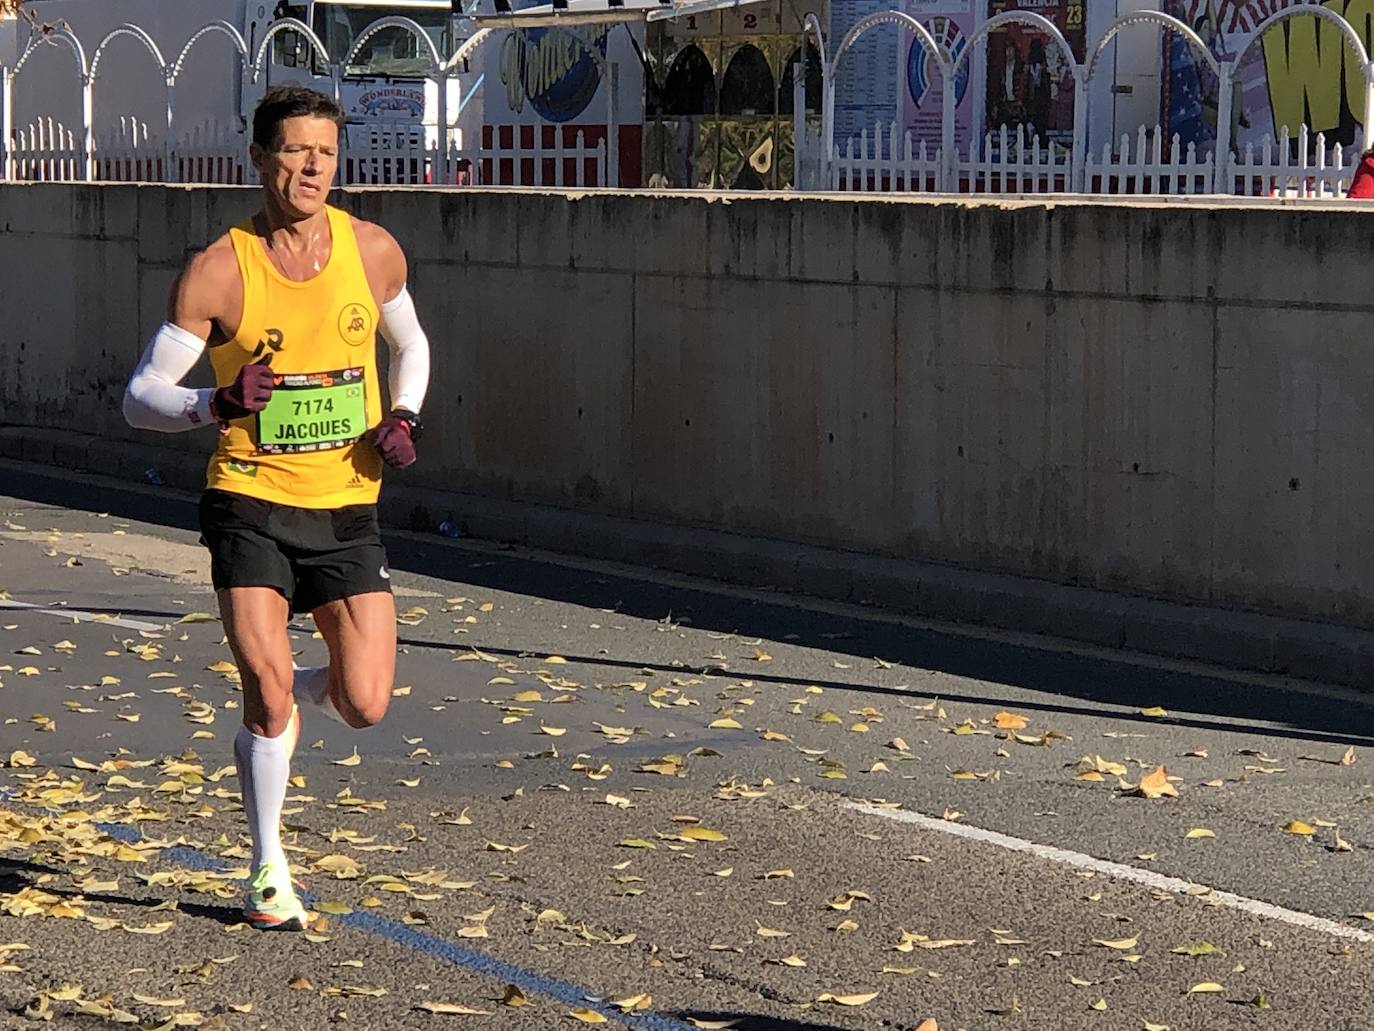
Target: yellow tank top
305 449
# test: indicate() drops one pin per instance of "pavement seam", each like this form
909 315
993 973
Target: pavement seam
1117 871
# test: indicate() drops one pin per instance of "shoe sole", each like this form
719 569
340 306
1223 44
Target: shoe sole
265 922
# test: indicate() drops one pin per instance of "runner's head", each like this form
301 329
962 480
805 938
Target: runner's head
296 147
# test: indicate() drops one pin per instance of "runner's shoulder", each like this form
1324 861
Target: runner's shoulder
376 242
383 259
209 287
214 268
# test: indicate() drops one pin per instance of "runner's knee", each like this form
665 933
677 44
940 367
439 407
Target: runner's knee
364 699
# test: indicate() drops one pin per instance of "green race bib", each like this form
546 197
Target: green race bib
313 411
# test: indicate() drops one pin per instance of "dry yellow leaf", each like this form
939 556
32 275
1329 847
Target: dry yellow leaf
769 932
513 996
1156 784
792 961
552 731
1203 987
701 834
1200 832
928 1024
1298 827
353 760
452 1008
1009 721
724 723
1117 943
1154 710
587 1016
848 1000
1348 757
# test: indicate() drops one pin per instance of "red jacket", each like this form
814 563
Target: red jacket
1362 184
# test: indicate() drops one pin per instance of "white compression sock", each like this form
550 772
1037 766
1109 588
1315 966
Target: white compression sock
264 765
311 688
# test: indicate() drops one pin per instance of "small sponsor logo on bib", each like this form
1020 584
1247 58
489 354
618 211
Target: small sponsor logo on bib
355 324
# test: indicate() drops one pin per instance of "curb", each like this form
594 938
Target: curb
1231 638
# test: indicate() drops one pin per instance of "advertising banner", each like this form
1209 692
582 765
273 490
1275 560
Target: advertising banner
1300 71
1029 77
920 84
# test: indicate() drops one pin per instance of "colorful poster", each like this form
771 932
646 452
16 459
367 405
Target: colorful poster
920 83
1029 77
865 87
1299 72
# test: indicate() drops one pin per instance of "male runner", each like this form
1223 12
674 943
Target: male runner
288 304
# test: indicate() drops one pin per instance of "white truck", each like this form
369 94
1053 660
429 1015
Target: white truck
385 84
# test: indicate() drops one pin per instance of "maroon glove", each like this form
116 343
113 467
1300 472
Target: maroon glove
392 439
249 393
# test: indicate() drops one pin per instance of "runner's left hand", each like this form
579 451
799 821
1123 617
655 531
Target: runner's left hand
391 438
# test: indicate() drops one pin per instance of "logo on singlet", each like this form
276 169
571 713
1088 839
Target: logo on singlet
355 324
272 341
242 468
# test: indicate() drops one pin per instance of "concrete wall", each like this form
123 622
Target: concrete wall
1174 399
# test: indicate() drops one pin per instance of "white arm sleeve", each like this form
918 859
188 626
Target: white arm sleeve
409 368
154 399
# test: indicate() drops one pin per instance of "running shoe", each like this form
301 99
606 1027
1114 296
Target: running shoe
271 903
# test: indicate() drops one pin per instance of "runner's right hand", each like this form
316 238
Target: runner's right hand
249 393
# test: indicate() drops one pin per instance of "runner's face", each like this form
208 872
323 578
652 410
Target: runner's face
301 170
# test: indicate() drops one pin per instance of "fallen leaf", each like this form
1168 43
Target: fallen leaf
1201 948
701 834
1200 832
1154 710
1298 827
1117 943
513 996
587 1016
353 760
1156 784
1009 721
1204 987
848 1000
452 1009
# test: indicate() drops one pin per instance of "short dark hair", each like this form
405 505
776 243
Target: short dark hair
291 101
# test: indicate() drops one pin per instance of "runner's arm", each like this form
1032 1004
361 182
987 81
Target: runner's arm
205 290
154 398
408 370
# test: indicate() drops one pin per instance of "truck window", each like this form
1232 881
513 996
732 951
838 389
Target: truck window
391 52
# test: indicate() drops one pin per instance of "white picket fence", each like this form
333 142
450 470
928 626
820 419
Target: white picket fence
376 154
380 154
1008 163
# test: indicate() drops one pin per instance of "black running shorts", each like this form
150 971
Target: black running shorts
312 556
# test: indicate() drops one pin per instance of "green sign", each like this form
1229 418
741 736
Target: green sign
315 411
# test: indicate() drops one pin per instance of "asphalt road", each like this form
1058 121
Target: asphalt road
633 797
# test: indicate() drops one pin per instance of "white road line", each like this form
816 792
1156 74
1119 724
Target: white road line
1119 871
81 616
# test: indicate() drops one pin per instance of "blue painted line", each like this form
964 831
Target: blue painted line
527 981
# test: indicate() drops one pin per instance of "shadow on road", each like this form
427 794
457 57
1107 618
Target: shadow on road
752 1021
1074 678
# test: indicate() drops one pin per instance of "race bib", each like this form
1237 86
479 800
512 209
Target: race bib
313 411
